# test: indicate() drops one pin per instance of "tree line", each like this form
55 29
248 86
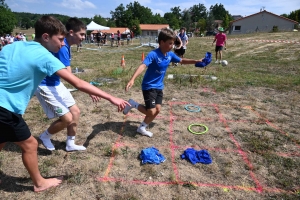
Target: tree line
196 18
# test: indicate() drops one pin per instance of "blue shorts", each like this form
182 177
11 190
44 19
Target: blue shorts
13 128
152 97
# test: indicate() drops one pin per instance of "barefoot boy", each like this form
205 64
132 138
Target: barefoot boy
23 65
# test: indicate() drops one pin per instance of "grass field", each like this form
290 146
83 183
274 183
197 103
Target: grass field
251 110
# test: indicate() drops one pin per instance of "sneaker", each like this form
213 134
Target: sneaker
176 64
144 132
217 62
47 142
75 148
127 107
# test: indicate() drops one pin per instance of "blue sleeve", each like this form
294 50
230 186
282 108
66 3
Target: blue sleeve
149 58
63 55
174 57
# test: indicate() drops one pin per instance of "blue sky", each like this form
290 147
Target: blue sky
90 8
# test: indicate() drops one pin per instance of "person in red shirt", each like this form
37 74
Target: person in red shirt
220 40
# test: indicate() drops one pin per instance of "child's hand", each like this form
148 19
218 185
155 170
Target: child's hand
120 103
129 85
95 98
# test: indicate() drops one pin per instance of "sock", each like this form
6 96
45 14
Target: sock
70 140
46 134
45 138
71 146
143 125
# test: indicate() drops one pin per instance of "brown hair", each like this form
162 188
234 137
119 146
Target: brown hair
166 34
75 24
50 25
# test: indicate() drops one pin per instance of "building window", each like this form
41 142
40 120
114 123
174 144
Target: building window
237 28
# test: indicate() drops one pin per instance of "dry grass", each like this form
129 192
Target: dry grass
252 111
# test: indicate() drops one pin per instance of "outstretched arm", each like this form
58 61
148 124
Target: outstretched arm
90 89
189 61
137 72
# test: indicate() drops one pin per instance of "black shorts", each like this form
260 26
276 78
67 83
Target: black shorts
13 128
152 97
177 51
180 52
219 48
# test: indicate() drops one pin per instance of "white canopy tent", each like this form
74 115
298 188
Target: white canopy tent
126 31
95 26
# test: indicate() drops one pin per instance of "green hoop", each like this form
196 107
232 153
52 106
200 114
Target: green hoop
197 133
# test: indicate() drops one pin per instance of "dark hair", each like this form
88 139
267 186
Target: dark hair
49 24
182 28
75 24
166 34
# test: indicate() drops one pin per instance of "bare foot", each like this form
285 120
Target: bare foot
48 183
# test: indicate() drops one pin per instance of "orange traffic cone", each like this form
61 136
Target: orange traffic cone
123 61
143 56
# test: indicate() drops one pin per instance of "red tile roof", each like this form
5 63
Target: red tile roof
112 30
265 12
148 27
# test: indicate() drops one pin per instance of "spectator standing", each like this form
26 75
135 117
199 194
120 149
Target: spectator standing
220 40
184 39
118 37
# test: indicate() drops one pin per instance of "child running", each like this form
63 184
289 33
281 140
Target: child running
156 64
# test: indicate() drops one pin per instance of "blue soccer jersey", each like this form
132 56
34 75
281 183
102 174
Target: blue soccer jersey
64 55
157 64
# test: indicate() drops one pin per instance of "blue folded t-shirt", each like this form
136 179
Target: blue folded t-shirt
205 61
151 155
194 156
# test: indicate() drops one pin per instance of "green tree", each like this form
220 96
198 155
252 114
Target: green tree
119 15
111 23
143 14
198 12
26 23
134 26
186 20
157 19
177 12
226 21
100 20
201 25
210 21
295 15
172 20
7 19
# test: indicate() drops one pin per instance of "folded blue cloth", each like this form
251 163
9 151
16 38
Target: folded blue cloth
205 61
151 155
194 156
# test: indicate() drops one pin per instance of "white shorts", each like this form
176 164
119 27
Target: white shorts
55 100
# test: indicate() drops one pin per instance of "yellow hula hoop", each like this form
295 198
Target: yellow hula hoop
197 133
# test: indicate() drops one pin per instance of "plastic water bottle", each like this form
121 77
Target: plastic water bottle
76 70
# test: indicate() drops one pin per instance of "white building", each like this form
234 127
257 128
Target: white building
263 21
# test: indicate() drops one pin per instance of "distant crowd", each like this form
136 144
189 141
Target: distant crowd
9 38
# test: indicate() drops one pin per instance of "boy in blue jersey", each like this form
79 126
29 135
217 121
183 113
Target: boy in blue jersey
156 63
23 65
55 98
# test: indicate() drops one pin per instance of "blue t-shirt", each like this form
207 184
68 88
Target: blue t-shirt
157 64
64 55
23 65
